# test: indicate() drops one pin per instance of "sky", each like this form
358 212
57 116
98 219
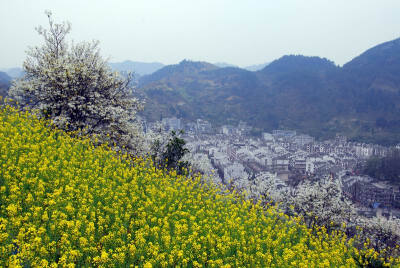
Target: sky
239 32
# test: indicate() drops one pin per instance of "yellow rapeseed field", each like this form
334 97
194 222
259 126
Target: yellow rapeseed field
65 202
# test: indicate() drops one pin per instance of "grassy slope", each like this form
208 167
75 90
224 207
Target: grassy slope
64 201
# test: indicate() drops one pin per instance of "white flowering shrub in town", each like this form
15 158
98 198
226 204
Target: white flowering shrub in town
72 85
263 187
201 163
321 203
382 233
240 184
156 140
236 177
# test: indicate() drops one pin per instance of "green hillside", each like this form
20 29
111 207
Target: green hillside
65 202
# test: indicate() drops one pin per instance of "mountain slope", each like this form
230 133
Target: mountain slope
15 72
5 83
308 94
378 67
196 90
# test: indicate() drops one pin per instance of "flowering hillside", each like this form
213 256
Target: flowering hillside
63 201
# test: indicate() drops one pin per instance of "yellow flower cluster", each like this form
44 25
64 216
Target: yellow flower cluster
65 202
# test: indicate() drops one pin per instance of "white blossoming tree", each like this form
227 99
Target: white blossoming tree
263 187
321 203
200 163
383 234
72 85
156 140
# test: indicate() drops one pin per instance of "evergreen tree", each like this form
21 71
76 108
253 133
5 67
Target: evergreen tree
174 152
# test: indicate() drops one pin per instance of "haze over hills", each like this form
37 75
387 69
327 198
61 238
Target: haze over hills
253 68
224 65
308 94
15 72
136 67
256 67
146 68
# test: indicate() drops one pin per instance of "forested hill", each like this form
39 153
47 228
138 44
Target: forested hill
377 68
308 94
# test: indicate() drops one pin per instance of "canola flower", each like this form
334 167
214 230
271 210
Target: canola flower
67 203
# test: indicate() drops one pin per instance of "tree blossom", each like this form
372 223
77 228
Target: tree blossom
73 86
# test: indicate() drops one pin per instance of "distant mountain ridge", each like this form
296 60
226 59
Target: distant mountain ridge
15 72
145 68
378 67
299 63
184 68
5 83
256 67
224 65
308 94
252 68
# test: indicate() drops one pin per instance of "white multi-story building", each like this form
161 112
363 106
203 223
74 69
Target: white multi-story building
172 123
268 137
364 151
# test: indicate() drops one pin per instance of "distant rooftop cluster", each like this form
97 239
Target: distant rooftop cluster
287 157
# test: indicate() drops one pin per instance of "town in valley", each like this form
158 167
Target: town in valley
234 157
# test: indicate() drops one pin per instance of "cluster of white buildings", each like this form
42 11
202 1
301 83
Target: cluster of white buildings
281 156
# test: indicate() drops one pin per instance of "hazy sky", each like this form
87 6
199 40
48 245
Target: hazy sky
241 32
